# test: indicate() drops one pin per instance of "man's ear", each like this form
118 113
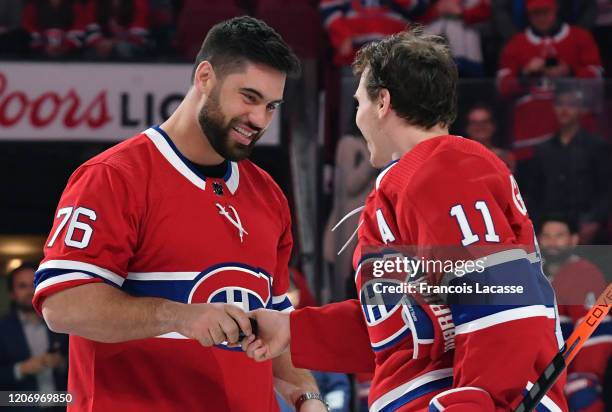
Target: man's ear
383 102
575 239
204 77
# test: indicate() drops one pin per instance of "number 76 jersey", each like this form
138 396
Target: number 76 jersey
450 192
141 218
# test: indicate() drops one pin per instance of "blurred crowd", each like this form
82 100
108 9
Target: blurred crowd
545 114
563 35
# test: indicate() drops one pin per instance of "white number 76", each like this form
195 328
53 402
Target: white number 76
66 212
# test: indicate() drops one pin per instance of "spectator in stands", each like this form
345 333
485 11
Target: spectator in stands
13 38
56 27
571 171
547 49
533 61
118 29
354 177
510 16
456 20
481 126
350 24
32 358
577 284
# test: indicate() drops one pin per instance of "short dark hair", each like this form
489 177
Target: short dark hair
571 224
10 277
419 72
230 44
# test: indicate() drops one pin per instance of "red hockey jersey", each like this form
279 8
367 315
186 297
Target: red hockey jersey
446 191
361 22
142 218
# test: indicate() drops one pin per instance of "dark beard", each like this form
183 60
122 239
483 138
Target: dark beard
25 307
558 258
211 121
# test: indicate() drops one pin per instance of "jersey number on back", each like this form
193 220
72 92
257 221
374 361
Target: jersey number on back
469 236
69 238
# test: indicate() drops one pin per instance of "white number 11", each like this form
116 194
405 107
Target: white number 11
470 237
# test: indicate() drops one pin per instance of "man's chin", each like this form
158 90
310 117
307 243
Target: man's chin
238 152
25 308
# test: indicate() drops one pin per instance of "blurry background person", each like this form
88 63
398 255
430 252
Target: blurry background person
457 21
32 358
509 16
577 284
570 173
532 62
118 29
56 27
351 24
480 125
353 179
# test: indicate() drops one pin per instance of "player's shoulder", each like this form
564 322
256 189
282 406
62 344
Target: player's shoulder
440 161
577 32
130 158
518 39
260 179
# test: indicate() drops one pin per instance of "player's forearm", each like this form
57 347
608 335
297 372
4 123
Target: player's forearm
297 381
331 338
102 313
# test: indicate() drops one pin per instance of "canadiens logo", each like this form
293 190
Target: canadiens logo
385 320
238 284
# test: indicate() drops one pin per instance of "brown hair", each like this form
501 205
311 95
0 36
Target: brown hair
419 72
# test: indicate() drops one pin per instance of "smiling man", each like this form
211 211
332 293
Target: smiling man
470 352
160 244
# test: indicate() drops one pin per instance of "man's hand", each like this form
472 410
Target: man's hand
34 365
560 70
53 360
213 323
535 65
273 335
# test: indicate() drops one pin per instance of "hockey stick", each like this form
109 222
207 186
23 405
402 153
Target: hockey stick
573 344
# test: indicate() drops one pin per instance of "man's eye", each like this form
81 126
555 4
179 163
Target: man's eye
250 98
271 107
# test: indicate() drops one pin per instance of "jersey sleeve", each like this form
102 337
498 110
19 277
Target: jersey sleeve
331 338
475 208
280 283
94 233
508 74
588 64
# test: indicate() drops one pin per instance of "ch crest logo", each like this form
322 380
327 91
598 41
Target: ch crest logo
244 286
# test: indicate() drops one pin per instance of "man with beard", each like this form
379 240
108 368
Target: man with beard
160 244
32 358
577 284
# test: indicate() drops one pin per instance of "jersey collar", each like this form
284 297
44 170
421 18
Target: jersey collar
170 152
